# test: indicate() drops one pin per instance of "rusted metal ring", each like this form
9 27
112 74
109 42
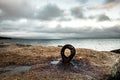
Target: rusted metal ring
66 59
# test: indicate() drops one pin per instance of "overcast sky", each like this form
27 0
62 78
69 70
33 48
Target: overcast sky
57 19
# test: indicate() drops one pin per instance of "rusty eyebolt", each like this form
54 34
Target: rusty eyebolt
66 59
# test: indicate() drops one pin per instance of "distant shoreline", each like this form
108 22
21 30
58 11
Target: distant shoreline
95 44
12 45
5 38
1 37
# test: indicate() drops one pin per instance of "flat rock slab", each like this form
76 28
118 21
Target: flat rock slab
46 64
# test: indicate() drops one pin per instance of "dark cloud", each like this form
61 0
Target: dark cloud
103 17
49 12
115 29
13 9
70 32
77 12
85 33
59 31
82 1
8 28
91 17
14 25
109 1
112 31
11 5
64 19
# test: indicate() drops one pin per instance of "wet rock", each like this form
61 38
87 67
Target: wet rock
116 51
10 46
13 70
3 46
60 46
87 65
22 45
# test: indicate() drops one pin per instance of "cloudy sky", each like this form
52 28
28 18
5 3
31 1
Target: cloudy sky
58 19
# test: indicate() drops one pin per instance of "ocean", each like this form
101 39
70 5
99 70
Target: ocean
95 44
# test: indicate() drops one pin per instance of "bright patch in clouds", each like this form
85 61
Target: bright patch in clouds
55 19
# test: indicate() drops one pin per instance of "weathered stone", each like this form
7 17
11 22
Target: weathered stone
3 46
116 51
86 65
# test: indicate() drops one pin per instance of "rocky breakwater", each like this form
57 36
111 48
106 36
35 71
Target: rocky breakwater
45 64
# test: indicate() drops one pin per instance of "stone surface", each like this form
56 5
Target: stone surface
116 51
45 64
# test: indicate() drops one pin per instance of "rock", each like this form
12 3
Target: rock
9 46
22 45
5 37
3 45
116 51
60 46
86 65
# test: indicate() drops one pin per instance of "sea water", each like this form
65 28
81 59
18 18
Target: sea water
96 44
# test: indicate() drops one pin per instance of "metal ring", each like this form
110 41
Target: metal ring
66 59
